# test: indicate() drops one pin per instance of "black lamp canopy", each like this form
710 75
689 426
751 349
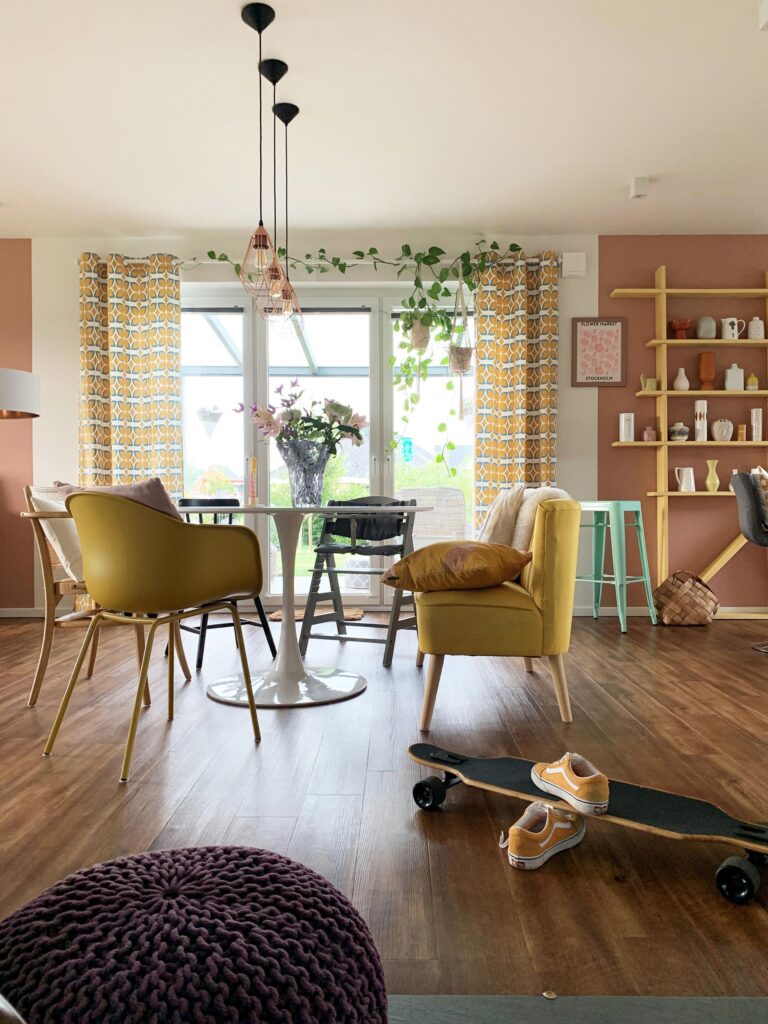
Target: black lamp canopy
285 112
258 16
273 70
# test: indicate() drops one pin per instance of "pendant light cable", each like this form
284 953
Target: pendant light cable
286 202
261 140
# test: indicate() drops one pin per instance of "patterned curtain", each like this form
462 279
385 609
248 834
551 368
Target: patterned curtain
130 370
516 327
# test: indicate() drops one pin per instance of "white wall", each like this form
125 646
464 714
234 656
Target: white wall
55 325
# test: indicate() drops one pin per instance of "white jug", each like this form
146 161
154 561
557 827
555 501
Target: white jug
732 327
684 476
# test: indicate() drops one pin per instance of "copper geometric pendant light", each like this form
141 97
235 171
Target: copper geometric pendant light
268 299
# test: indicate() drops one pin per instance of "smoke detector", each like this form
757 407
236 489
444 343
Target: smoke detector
638 187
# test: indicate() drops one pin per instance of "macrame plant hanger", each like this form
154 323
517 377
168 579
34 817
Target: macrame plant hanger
460 356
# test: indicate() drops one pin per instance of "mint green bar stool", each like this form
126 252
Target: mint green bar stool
610 515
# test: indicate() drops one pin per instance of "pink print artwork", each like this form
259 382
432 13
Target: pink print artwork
598 352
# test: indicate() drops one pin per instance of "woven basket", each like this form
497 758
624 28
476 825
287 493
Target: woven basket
685 600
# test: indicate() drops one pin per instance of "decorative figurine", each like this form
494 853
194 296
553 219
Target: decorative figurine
680 328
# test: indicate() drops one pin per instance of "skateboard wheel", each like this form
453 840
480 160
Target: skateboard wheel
737 879
429 794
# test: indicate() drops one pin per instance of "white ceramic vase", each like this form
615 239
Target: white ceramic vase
722 430
681 382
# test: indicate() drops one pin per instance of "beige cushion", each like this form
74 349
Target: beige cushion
147 492
452 565
61 534
498 527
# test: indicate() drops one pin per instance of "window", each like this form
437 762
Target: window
432 423
329 358
212 386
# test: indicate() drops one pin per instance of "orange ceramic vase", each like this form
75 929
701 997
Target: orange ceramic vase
706 371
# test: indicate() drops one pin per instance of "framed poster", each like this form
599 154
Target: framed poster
598 357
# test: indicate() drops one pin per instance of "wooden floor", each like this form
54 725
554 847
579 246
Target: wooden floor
624 913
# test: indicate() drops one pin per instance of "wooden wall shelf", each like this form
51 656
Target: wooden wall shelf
701 394
662 346
707 343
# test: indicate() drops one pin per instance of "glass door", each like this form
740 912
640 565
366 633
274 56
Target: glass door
330 356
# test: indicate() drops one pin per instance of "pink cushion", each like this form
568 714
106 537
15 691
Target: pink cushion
146 492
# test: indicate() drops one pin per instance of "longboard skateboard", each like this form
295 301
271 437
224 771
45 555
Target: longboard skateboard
648 810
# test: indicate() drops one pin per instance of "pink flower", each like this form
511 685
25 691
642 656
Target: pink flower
239 407
269 424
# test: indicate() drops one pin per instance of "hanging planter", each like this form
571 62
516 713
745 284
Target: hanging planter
459 352
460 358
419 337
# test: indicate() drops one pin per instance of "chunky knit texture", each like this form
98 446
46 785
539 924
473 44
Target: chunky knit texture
199 935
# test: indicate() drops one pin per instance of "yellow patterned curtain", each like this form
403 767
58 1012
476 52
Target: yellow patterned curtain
130 370
516 327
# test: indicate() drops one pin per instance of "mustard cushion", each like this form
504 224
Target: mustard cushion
468 565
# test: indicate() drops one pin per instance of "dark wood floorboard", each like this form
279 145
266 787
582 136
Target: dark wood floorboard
624 913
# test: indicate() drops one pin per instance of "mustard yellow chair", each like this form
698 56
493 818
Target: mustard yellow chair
143 567
529 619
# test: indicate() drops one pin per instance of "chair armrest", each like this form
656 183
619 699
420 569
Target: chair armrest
550 577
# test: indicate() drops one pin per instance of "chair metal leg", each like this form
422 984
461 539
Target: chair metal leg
309 608
140 658
171 655
246 673
557 668
181 656
94 649
619 555
92 627
598 561
201 641
338 605
434 670
394 625
128 755
45 654
265 626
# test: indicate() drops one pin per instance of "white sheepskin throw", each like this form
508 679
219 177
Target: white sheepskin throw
498 527
526 515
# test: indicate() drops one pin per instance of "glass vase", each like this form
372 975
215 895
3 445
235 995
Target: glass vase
305 462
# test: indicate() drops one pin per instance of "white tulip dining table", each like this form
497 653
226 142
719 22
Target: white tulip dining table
289 683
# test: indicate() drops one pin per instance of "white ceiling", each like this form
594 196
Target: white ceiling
515 115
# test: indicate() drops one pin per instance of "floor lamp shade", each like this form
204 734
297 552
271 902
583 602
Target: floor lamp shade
19 395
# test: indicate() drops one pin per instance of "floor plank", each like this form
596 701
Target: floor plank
623 914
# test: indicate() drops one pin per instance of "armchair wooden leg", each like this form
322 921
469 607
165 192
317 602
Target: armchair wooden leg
434 669
557 668
419 658
92 627
94 649
128 755
182 658
45 653
528 662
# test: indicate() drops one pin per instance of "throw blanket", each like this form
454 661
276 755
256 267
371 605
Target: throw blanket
511 517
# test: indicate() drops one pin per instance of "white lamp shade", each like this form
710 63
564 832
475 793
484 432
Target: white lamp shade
19 395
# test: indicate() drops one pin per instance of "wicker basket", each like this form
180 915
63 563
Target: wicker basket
685 600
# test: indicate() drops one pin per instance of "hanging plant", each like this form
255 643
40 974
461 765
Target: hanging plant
424 318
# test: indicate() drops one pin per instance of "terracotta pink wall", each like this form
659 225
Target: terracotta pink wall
16 548
699 527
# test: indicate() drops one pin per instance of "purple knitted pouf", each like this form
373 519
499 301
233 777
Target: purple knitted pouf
218 933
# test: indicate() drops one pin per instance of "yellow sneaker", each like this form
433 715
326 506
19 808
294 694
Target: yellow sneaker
539 834
574 780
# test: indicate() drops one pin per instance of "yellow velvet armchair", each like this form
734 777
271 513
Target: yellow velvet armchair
529 619
145 568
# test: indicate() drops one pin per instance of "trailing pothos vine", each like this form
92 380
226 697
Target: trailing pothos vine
430 332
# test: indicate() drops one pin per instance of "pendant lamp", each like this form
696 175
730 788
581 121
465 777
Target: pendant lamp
274 278
260 251
288 302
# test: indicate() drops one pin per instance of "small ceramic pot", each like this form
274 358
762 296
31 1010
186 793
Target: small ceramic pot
722 430
679 432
